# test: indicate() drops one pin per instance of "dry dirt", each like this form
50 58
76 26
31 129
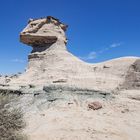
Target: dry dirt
119 119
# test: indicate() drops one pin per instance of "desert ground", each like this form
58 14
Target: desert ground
118 119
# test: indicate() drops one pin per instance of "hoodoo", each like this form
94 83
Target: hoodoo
50 63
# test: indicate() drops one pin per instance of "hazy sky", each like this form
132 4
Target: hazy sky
98 29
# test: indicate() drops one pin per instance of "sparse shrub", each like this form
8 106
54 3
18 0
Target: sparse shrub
11 121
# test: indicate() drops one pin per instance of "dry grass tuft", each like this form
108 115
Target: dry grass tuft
11 121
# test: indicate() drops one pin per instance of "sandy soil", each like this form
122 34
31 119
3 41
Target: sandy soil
119 119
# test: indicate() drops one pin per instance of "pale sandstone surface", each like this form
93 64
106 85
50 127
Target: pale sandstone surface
50 61
119 119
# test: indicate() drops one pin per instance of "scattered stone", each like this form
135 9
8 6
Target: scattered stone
125 110
60 81
70 103
6 76
94 68
135 97
105 67
19 73
7 80
22 86
14 76
42 114
36 94
31 86
95 105
4 85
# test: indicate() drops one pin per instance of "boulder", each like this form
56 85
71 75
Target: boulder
95 105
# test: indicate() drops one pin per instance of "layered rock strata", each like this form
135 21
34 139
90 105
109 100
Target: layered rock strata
50 63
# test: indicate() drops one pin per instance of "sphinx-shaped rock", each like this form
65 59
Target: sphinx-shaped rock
50 63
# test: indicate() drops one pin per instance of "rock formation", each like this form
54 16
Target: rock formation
132 79
51 64
60 94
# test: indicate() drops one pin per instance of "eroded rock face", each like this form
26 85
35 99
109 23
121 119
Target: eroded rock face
41 32
47 38
50 63
132 79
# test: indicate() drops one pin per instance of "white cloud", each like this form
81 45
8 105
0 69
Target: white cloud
92 55
17 60
114 45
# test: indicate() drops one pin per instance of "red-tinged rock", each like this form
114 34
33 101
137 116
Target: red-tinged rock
95 105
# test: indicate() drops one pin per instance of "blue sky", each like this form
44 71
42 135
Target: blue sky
98 30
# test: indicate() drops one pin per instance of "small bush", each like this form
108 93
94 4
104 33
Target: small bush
11 121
